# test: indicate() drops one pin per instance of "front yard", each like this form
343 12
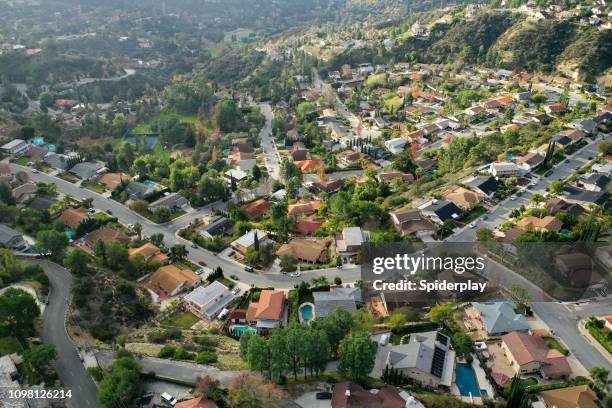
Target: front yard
95 187
182 320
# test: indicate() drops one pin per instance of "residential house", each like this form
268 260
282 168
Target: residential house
104 234
243 151
247 241
531 160
558 206
269 312
72 218
396 145
15 147
112 180
257 208
310 166
11 239
36 154
303 208
310 250
170 280
200 402
506 170
348 158
327 302
441 210
328 186
87 170
475 110
349 245
57 161
562 141
41 203
208 301
577 268
584 125
427 165
427 359
547 223
410 223
217 227
555 109
236 174
170 200
350 395
578 396
149 252
299 152
24 192
530 355
306 227
137 190
389 176
594 181
585 197
464 198
499 317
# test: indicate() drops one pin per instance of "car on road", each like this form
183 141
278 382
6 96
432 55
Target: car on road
472 225
323 395
109 212
512 197
194 246
201 263
236 291
519 193
34 171
130 226
169 399
234 277
295 274
199 271
534 183
548 173
249 269
577 168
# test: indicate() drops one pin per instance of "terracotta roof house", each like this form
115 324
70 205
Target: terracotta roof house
112 180
105 234
303 208
464 198
150 252
328 187
299 152
171 280
243 151
72 218
558 205
200 402
410 222
308 226
555 108
24 192
269 312
548 223
257 208
309 250
389 176
579 396
310 166
530 355
350 395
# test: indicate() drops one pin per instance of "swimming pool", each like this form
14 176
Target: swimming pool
467 382
306 312
239 330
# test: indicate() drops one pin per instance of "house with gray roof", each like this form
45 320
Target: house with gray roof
208 301
426 359
217 227
11 239
170 200
500 317
139 191
87 170
57 161
343 298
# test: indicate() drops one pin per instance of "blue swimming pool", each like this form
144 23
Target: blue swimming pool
467 382
306 311
238 330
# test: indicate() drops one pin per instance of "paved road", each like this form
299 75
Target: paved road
69 366
271 156
501 212
169 230
171 369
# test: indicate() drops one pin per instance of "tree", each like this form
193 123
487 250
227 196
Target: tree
288 263
336 326
18 312
362 320
357 355
247 390
397 320
157 239
116 255
178 252
556 186
6 194
520 295
137 228
41 357
441 313
53 242
294 341
463 344
120 386
258 355
605 147
517 395
600 376
45 99
77 261
484 235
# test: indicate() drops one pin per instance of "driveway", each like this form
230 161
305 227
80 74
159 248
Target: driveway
68 364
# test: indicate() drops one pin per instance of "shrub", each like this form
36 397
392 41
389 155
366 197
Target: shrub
207 342
182 354
206 357
173 333
166 352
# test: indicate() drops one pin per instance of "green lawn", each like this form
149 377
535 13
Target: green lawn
183 320
9 345
22 161
554 344
96 187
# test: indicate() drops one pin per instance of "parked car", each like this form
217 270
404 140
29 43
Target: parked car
109 212
236 291
234 277
34 171
295 274
512 197
548 173
472 225
202 263
169 398
323 395
249 269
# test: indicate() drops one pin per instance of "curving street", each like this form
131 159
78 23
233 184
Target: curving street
69 366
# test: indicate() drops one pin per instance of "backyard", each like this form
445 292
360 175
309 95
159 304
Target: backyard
182 320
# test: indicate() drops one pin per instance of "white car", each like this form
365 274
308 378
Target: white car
534 183
34 171
236 291
295 274
472 225
512 198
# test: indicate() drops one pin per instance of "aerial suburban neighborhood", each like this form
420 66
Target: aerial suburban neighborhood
206 205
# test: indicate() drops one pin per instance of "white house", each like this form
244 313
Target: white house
207 301
16 147
396 145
